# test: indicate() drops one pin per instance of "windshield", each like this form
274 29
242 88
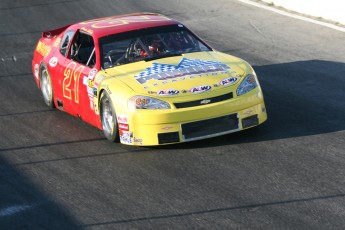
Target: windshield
148 44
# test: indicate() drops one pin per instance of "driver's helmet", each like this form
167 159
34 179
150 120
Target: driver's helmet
154 45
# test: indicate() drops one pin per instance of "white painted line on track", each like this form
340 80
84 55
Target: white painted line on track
9 211
329 25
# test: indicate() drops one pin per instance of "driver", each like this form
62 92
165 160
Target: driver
154 47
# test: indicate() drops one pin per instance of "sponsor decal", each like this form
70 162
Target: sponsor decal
98 80
124 127
85 80
126 137
228 81
57 42
53 61
167 127
138 140
168 92
95 92
43 49
89 87
90 83
92 74
186 67
122 119
200 89
125 133
107 89
125 140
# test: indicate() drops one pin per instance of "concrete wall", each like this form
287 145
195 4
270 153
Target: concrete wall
328 9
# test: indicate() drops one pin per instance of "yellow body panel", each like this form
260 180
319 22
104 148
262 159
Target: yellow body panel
143 126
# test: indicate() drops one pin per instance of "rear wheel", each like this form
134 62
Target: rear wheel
108 118
46 86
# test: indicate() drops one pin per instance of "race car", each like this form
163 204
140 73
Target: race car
146 79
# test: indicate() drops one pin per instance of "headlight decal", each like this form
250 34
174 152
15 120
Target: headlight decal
144 102
249 83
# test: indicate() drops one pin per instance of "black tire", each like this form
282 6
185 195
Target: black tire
46 86
108 118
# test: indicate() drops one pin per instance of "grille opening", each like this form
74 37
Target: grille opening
210 126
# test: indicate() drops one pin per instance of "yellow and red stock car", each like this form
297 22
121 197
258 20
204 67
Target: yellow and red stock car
146 79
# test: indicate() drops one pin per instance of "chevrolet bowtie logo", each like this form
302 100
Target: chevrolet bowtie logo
204 102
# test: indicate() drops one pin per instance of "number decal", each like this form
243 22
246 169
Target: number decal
71 80
67 80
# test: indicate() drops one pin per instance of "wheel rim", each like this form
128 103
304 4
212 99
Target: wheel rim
46 86
107 117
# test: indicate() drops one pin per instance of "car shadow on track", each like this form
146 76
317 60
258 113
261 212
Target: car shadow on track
303 98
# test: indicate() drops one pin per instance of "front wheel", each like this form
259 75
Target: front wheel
108 118
46 86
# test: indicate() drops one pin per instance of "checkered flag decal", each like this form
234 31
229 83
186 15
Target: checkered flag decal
163 71
184 63
156 68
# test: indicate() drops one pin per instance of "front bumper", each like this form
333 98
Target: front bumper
158 127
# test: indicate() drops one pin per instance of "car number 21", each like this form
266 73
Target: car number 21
71 81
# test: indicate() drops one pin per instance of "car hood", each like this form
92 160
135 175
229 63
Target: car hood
187 74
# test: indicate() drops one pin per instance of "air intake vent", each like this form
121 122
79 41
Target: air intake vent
210 127
164 138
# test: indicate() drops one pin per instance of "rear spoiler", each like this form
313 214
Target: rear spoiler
52 33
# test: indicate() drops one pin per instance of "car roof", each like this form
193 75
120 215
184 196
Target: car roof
101 27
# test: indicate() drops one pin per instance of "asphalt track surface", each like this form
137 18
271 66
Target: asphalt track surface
57 172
